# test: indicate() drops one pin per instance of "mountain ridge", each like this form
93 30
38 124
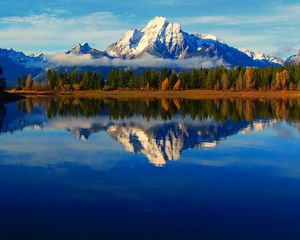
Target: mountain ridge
159 39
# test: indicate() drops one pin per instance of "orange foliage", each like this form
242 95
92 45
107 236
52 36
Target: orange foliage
165 85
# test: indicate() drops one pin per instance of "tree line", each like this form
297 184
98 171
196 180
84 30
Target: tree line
2 80
219 78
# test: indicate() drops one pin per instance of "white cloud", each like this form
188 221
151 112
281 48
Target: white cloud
58 30
287 14
145 61
267 32
54 31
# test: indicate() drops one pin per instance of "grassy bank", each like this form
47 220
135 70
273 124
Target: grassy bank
188 94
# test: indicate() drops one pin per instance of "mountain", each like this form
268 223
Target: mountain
159 39
165 142
295 59
17 63
82 49
166 40
264 58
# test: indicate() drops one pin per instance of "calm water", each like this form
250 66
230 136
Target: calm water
167 169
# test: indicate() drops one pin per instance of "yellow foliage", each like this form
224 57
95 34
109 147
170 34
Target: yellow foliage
165 104
165 85
177 103
177 86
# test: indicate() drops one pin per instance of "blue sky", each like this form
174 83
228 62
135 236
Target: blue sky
57 25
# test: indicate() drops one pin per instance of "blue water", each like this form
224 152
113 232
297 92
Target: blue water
102 176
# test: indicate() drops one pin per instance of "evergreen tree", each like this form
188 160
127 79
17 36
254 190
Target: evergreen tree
173 79
154 79
19 84
2 80
194 79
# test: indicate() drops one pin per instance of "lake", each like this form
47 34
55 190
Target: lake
150 169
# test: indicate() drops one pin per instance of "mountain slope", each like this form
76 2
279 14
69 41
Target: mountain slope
162 39
17 63
84 48
264 58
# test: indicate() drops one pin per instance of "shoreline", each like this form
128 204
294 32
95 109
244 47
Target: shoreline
7 97
186 94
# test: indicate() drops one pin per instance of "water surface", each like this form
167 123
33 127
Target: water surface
149 169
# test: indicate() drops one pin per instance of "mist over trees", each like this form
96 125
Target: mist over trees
219 78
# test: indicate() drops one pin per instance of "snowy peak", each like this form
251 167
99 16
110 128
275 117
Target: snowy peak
209 37
33 60
261 56
162 39
157 24
158 38
84 48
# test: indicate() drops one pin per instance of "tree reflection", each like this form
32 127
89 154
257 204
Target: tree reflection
218 109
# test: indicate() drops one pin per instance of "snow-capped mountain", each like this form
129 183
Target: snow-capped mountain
17 63
84 48
263 57
32 60
159 38
166 40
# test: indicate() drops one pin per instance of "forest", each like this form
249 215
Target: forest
219 78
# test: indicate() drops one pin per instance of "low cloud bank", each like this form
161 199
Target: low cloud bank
70 60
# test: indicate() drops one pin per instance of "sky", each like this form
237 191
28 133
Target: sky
57 25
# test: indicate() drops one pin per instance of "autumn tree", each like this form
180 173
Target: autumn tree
165 85
177 86
277 83
217 85
284 79
249 78
29 82
225 81
239 81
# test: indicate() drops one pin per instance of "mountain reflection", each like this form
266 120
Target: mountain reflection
158 129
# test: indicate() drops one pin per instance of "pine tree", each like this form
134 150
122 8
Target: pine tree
100 81
19 83
2 80
173 79
194 79
23 81
154 79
